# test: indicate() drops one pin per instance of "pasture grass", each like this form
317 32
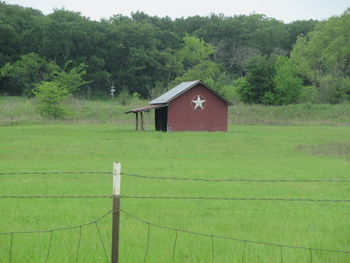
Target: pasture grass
255 152
19 111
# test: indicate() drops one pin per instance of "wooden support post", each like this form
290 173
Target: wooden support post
137 120
147 126
116 212
141 121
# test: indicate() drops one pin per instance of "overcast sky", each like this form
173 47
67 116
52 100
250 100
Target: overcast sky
286 10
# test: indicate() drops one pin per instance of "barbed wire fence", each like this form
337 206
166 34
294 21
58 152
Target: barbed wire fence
95 222
115 255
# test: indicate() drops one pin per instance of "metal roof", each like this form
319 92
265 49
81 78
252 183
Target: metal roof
174 92
145 108
180 89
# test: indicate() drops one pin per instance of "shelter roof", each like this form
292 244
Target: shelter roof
145 108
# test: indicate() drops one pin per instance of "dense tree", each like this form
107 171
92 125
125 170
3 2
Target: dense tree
270 81
20 77
145 54
194 51
287 85
71 79
323 58
258 82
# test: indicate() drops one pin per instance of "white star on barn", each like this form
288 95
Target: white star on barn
199 103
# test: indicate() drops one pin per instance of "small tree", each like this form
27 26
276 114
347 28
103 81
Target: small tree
288 85
50 96
124 96
72 80
258 81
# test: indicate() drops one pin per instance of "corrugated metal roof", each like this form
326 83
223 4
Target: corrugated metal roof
180 89
145 108
175 92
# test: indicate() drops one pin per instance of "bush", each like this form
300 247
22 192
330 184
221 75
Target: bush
230 93
50 97
124 96
308 94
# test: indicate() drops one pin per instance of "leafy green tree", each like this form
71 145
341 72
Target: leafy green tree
287 85
195 56
245 91
101 79
124 96
8 42
270 81
207 71
19 30
50 97
194 51
260 72
298 28
322 58
51 94
72 79
22 75
137 51
334 90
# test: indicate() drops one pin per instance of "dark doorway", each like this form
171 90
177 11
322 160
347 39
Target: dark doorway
161 119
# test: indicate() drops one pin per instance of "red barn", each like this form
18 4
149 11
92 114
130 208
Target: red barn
190 106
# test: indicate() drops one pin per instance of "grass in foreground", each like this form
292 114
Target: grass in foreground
264 152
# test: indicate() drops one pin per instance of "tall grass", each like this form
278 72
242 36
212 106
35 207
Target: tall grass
299 114
17 110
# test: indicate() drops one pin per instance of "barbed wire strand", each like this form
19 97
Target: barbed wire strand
245 246
241 179
102 243
175 198
232 238
49 247
55 196
187 179
57 229
79 240
174 246
238 198
148 239
53 173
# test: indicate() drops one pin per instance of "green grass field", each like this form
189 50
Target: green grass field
255 152
20 111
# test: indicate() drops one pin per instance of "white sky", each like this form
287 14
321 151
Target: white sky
286 10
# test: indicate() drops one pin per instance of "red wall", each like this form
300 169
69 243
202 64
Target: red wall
182 116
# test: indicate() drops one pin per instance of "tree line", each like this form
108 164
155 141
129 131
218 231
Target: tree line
251 58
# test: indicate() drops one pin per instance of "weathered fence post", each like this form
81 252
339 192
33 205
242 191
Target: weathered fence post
141 120
137 120
116 212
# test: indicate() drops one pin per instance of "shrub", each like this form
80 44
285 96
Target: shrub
308 94
50 97
124 96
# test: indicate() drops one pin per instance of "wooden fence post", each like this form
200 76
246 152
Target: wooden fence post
141 121
137 120
147 125
116 212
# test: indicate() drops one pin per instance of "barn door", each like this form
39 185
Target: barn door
161 118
